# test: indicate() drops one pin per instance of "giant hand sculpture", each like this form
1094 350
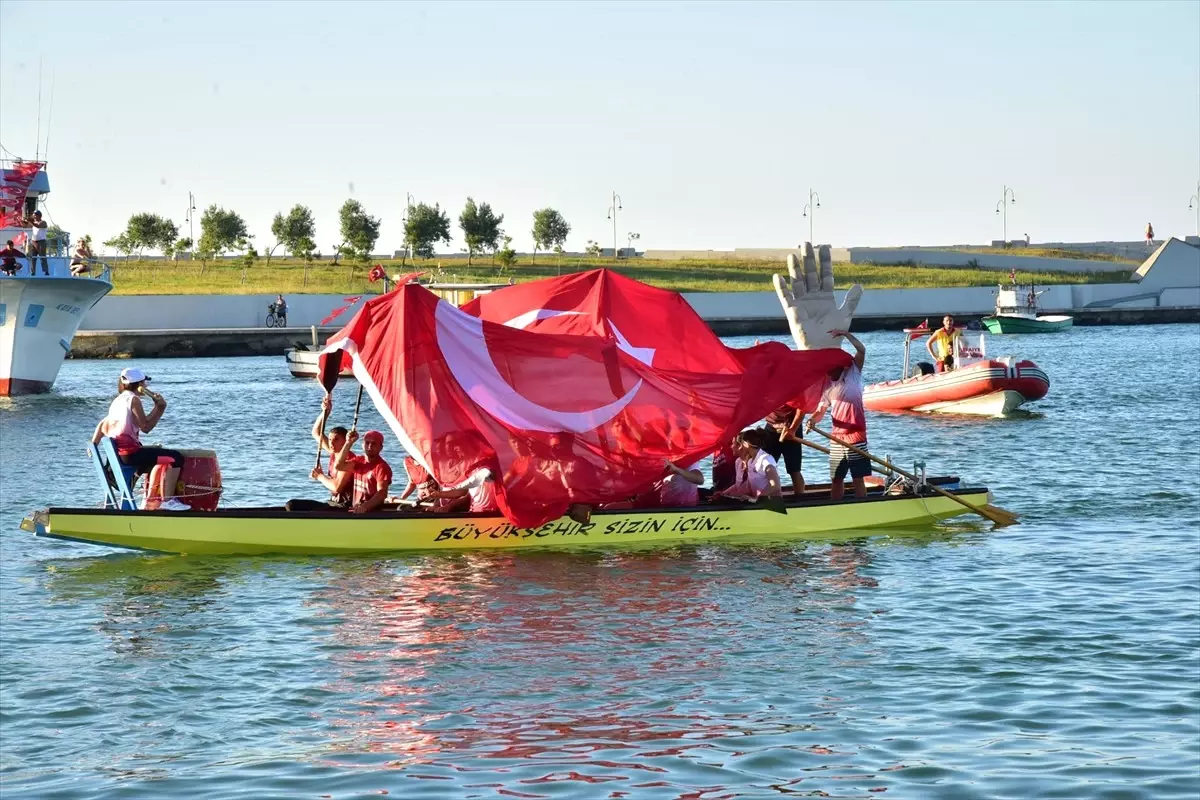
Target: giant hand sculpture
808 301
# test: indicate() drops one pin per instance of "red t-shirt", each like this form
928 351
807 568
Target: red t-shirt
368 478
419 477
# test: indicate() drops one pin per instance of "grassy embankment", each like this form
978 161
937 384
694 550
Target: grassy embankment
289 277
1048 252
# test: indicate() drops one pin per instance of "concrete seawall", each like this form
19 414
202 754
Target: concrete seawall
1166 288
216 342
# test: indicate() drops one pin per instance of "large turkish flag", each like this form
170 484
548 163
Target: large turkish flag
558 418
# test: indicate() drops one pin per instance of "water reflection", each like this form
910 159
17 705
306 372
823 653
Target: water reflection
563 660
143 601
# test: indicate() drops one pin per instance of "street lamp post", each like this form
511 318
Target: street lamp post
1002 209
408 198
612 214
1194 202
190 218
814 202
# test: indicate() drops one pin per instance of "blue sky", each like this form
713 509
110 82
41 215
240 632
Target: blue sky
711 120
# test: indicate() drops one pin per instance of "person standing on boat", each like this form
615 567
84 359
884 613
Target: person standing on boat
37 244
372 475
844 400
944 338
127 420
780 440
1149 235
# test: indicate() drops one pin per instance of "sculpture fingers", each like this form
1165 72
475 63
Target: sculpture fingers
812 281
783 288
826 268
796 272
850 302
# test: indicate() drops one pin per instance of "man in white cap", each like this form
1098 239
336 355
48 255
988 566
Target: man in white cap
127 420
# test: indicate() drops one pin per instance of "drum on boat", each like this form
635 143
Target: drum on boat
199 484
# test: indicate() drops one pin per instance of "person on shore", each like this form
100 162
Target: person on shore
780 440
81 260
844 400
1149 235
372 475
340 483
127 420
756 472
281 308
8 259
944 338
37 244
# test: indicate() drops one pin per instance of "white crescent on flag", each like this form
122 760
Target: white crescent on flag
461 340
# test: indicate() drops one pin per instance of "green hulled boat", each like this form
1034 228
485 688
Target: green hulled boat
1018 314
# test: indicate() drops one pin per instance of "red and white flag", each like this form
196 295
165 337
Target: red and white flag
559 418
655 326
14 185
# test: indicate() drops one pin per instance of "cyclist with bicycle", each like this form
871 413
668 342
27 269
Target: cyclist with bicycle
278 309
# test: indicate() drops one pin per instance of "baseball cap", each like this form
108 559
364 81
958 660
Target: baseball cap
133 375
373 436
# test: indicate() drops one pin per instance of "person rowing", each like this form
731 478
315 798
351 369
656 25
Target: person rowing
477 493
419 481
372 475
844 399
756 472
127 420
340 483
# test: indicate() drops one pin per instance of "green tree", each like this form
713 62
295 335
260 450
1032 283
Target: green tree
427 225
121 244
180 247
360 231
222 231
480 227
593 248
146 231
549 230
289 231
506 255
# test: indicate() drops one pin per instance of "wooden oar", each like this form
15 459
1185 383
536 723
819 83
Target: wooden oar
996 514
321 437
357 406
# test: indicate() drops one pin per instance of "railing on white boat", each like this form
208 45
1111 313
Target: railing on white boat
59 267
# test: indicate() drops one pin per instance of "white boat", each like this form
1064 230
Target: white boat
39 313
303 360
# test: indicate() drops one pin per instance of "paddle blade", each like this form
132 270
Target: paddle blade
1002 517
776 504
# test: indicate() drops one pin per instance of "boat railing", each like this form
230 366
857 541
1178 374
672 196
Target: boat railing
58 267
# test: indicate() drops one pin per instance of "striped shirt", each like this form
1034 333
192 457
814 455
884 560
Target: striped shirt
844 398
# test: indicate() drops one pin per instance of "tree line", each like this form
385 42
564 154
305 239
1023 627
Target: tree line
224 231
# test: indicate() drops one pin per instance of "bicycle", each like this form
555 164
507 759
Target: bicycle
276 318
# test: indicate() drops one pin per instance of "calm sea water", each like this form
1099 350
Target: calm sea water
1057 658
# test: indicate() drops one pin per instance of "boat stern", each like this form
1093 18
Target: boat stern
37 522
